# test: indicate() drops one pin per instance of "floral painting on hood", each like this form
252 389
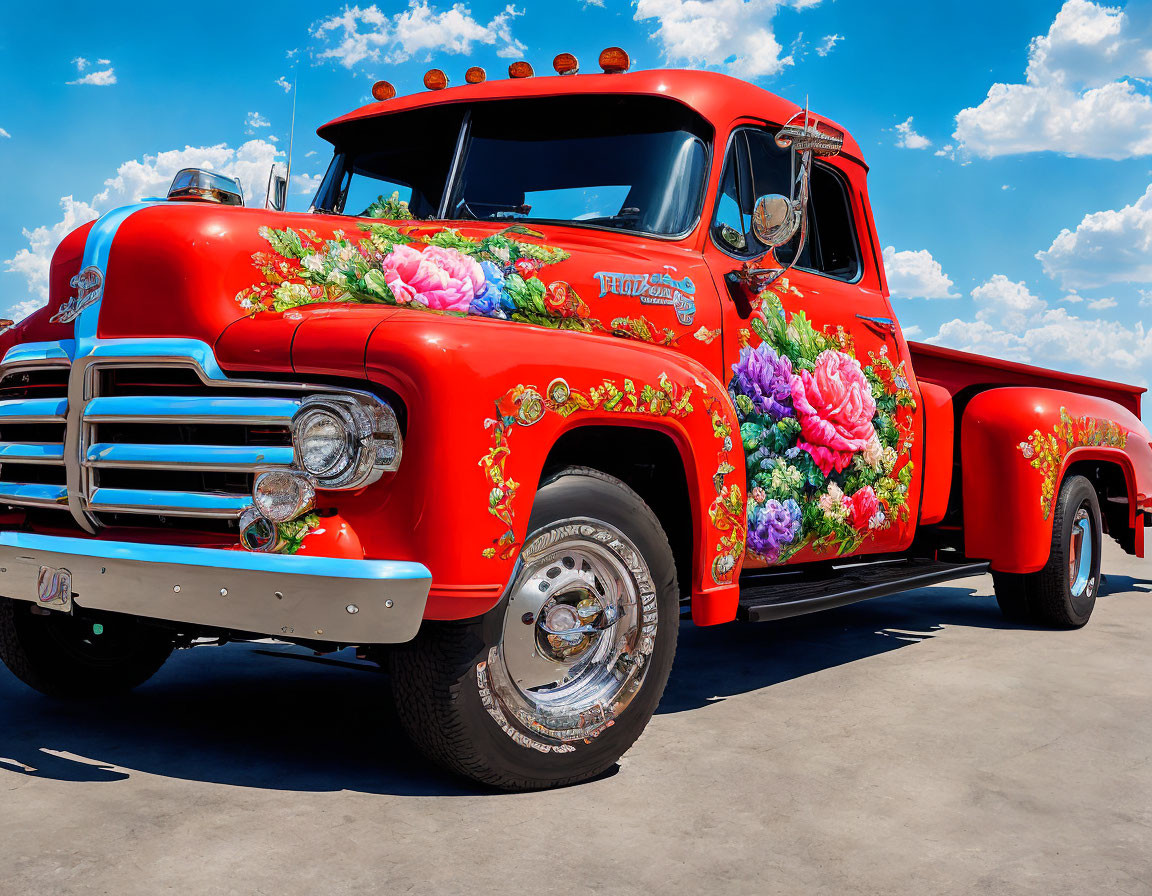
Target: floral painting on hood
827 439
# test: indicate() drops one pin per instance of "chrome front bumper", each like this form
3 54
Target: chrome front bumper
281 596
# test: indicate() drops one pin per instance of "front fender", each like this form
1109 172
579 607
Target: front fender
1017 444
487 400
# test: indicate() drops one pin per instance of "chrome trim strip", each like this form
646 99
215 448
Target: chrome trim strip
31 453
33 410
33 494
283 595
165 503
238 458
190 409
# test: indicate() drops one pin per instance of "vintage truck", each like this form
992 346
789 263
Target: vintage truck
550 361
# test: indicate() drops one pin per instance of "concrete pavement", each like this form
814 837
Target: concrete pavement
916 744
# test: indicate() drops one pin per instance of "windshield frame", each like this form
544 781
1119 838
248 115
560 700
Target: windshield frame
325 194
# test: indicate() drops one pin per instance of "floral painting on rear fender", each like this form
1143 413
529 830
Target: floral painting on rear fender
1046 451
827 439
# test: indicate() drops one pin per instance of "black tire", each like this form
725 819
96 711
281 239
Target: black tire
60 655
1047 597
1012 596
439 679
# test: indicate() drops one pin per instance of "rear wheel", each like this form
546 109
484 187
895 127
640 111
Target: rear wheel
68 656
1063 593
556 683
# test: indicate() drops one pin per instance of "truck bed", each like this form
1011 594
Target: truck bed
959 372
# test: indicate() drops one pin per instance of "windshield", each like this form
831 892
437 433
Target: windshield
629 163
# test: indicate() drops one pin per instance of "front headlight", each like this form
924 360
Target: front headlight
346 441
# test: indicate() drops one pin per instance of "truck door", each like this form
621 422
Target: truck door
816 367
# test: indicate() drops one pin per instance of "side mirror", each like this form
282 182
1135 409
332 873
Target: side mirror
775 220
277 191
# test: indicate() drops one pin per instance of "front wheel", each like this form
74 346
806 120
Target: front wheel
557 682
71 657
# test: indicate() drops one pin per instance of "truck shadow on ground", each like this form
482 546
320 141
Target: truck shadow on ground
290 721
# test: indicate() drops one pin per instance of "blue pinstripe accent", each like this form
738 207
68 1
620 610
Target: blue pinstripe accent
302 564
97 248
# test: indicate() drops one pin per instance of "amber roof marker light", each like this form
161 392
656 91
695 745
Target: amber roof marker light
614 61
435 79
566 64
382 90
475 75
520 69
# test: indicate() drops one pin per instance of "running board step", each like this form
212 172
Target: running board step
766 600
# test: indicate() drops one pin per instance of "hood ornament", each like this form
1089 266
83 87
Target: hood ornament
89 286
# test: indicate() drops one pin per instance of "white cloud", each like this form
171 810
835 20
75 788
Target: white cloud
32 263
1056 338
734 35
947 151
310 153
915 274
103 61
5 134
256 120
20 310
1006 303
908 138
1113 246
1077 98
825 46
370 35
104 78
306 184
1012 323
587 3
134 180
81 63
284 84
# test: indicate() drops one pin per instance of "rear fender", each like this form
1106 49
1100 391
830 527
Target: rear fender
1016 447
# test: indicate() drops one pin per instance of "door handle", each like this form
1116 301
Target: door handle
884 323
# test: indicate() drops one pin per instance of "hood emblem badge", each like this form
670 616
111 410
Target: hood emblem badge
89 286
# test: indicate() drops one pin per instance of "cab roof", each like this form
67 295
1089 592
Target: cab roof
718 98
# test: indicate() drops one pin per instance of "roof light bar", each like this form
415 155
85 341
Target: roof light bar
614 61
566 64
475 75
520 69
382 90
435 79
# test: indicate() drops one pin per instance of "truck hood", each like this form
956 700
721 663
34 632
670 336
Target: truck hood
200 271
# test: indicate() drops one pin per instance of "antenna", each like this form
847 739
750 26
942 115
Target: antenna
291 138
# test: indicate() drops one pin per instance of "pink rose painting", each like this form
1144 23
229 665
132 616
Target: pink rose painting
441 279
834 442
835 407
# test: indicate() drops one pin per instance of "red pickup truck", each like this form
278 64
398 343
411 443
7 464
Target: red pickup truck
549 361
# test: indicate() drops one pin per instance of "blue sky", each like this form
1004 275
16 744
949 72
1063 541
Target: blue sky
1010 143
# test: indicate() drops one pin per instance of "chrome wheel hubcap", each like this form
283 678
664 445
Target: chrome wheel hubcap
578 631
1081 582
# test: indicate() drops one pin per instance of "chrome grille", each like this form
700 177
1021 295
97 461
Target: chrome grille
33 409
132 440
168 441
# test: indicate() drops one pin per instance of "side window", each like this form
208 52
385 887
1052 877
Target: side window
755 166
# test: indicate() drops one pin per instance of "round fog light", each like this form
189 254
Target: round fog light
258 533
281 496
